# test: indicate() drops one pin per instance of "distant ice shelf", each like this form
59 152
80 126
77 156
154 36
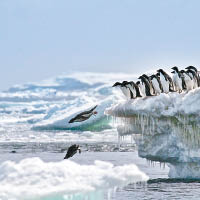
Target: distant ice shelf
169 126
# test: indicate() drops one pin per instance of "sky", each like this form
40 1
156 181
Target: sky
40 39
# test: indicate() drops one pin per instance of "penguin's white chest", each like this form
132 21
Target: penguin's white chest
165 84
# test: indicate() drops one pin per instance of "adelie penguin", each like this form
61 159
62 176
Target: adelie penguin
156 84
72 150
152 90
194 77
125 90
146 83
177 79
196 72
188 80
141 87
166 81
84 115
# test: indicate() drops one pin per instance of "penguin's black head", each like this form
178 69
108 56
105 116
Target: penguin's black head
145 76
192 68
152 76
117 84
138 82
125 82
158 74
182 71
175 68
140 77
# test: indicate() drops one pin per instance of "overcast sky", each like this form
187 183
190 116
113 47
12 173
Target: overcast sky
40 39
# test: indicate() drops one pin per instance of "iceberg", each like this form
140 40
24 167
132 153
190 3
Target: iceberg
169 129
33 178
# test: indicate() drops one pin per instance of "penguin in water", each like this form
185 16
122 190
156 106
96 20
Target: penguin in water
141 87
84 115
197 74
177 79
72 150
147 86
166 81
188 80
156 84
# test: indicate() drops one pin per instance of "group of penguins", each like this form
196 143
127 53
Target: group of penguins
161 82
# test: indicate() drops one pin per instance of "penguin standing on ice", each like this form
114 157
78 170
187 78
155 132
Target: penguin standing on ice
123 88
152 90
194 77
147 87
196 72
188 80
177 79
141 87
166 81
156 84
131 89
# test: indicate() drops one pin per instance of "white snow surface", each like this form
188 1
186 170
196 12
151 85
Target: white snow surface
33 178
164 104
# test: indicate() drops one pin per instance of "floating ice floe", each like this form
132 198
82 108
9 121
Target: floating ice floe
34 179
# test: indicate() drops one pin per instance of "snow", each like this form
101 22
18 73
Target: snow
33 178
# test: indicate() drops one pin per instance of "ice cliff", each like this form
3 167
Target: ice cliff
169 125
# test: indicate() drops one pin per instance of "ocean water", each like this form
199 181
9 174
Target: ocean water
35 135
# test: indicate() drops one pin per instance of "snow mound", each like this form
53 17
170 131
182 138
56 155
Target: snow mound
35 179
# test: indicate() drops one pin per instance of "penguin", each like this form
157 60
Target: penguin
152 90
156 84
194 77
177 79
83 115
146 83
123 88
72 150
131 88
141 87
188 80
166 81
138 94
197 74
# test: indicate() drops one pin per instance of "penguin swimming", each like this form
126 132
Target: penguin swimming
177 79
72 150
166 81
84 115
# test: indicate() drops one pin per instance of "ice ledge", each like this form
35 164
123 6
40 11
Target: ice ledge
170 128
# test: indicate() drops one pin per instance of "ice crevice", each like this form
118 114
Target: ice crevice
166 128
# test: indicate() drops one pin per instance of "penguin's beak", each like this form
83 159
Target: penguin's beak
79 150
95 113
